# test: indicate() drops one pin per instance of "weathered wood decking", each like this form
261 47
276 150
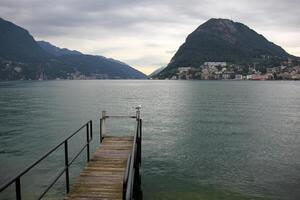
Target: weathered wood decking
103 177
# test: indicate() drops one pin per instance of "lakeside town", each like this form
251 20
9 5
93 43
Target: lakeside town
226 71
208 71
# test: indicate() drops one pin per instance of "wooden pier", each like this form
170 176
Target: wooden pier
113 172
103 176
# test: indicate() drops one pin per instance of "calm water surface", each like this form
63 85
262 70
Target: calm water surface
201 139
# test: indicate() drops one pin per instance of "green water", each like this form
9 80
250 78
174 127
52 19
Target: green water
201 139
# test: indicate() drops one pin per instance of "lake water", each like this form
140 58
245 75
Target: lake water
201 139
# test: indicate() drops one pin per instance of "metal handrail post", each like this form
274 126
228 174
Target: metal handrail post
103 117
87 142
67 167
91 129
138 112
18 189
140 141
100 130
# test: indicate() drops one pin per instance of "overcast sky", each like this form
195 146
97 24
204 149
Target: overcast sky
145 34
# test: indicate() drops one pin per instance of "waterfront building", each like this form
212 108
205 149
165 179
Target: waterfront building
228 75
260 77
238 77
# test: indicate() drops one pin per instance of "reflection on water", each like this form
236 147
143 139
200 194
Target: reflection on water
202 139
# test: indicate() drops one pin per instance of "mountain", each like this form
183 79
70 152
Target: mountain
21 57
101 66
18 44
56 50
156 72
90 64
220 40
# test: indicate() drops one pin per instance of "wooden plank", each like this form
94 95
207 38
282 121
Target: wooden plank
102 178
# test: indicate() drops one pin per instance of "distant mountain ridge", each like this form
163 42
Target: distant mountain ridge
89 64
21 57
56 51
223 40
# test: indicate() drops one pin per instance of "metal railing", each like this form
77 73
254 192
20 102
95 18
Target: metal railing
103 119
17 179
132 178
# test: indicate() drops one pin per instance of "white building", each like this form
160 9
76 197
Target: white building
249 77
184 69
214 64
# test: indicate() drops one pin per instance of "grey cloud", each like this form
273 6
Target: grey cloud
170 51
126 14
140 61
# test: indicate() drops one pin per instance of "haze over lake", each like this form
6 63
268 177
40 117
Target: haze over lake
201 139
